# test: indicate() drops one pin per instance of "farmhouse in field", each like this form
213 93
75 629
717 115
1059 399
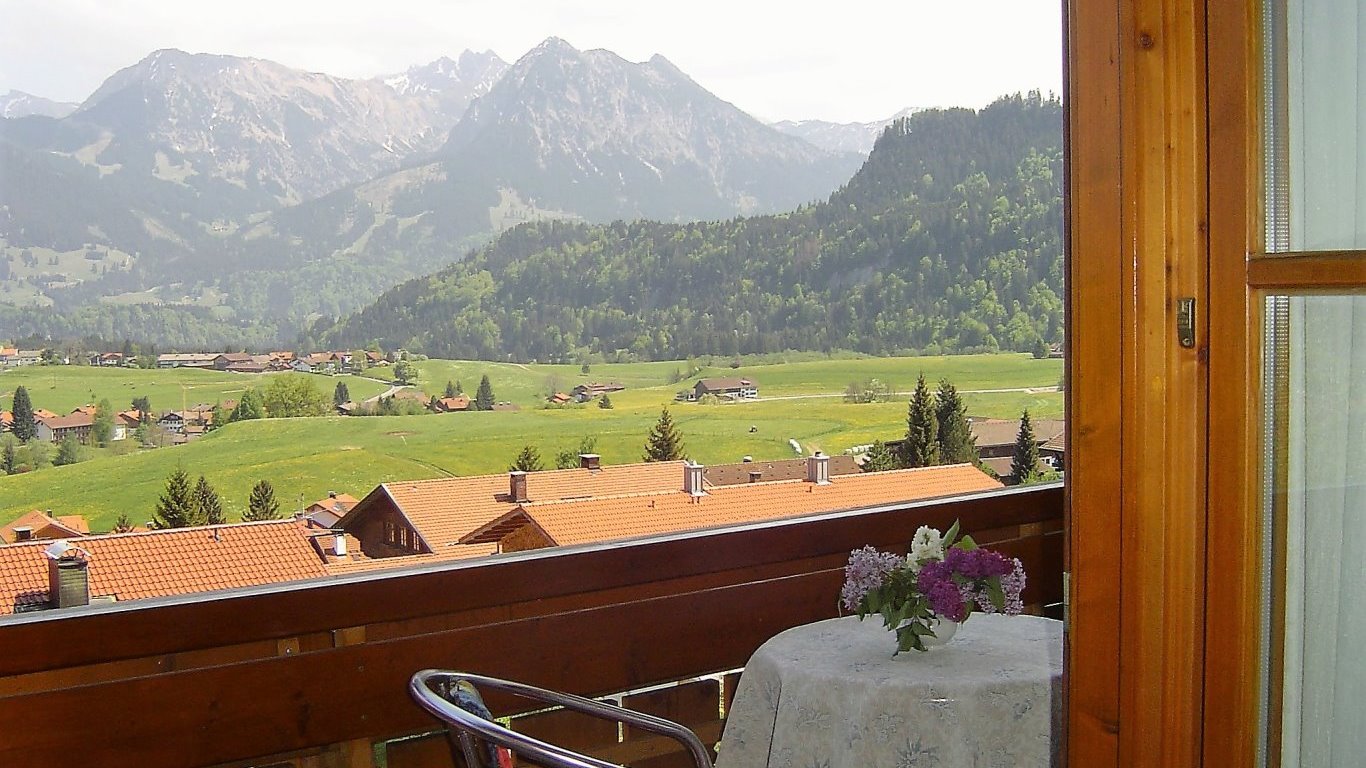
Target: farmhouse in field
586 392
451 404
55 429
194 360
732 387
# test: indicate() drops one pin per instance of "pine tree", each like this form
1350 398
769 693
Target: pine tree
956 443
922 441
483 398
569 458
1024 464
665 442
22 410
450 388
879 458
176 507
209 506
218 417
261 505
459 388
69 452
528 460
123 524
605 403
341 394
8 462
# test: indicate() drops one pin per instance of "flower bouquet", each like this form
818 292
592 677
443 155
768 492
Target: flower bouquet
943 579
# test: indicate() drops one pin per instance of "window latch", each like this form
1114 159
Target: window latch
1185 321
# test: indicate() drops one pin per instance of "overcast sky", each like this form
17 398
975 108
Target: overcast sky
792 59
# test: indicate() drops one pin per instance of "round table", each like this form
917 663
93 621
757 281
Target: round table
830 695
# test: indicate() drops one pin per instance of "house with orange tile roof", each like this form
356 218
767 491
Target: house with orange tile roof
527 510
6 421
324 513
452 404
433 516
134 566
565 522
37 526
43 413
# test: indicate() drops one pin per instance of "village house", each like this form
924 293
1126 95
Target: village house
585 392
559 398
6 355
226 360
451 404
55 429
324 513
6 421
26 357
194 360
527 510
38 526
107 359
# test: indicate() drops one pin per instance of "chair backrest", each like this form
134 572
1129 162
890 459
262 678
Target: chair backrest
470 733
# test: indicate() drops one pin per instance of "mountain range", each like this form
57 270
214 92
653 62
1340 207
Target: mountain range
841 137
237 190
947 239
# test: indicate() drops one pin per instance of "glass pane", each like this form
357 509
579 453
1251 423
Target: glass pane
1316 125
1319 519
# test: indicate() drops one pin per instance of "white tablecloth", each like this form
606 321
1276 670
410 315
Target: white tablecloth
830 695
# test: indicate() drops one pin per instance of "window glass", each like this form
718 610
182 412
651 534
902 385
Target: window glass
1316 180
1320 525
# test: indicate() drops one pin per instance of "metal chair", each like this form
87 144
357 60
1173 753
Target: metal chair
470 734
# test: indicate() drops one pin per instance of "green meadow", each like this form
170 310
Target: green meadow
61 388
306 458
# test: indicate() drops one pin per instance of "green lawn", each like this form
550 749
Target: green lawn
61 388
306 458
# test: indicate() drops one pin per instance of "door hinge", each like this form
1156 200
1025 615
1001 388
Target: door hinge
1185 321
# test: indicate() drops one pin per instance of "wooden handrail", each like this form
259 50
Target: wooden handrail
234 677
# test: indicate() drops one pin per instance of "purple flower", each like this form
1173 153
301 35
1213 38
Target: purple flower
866 571
977 564
946 599
1013 585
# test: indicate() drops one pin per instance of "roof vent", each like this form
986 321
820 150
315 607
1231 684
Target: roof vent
339 545
692 479
590 461
517 486
747 459
818 469
755 475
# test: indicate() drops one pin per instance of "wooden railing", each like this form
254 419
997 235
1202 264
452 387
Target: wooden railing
315 673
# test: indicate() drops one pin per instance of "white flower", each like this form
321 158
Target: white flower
926 546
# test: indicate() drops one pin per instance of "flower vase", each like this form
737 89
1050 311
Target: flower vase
943 629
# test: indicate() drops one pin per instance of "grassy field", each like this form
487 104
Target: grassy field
306 458
61 388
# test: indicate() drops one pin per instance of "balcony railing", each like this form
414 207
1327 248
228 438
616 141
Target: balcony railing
316 673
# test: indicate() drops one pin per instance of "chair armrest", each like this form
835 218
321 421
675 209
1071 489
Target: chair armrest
553 756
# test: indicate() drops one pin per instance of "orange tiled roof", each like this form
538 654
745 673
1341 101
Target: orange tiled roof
607 518
365 565
443 511
43 413
132 566
339 503
45 526
6 417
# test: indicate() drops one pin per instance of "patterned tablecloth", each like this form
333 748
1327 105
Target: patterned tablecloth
830 695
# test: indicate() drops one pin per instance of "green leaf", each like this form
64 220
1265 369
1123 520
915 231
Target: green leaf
951 535
997 594
966 543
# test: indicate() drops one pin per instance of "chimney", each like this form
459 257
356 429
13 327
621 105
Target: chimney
692 479
755 475
331 494
517 486
23 533
590 461
339 544
818 469
68 582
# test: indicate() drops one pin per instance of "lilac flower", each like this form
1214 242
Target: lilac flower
977 564
866 571
1013 585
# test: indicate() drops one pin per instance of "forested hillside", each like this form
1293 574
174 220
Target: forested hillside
949 239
